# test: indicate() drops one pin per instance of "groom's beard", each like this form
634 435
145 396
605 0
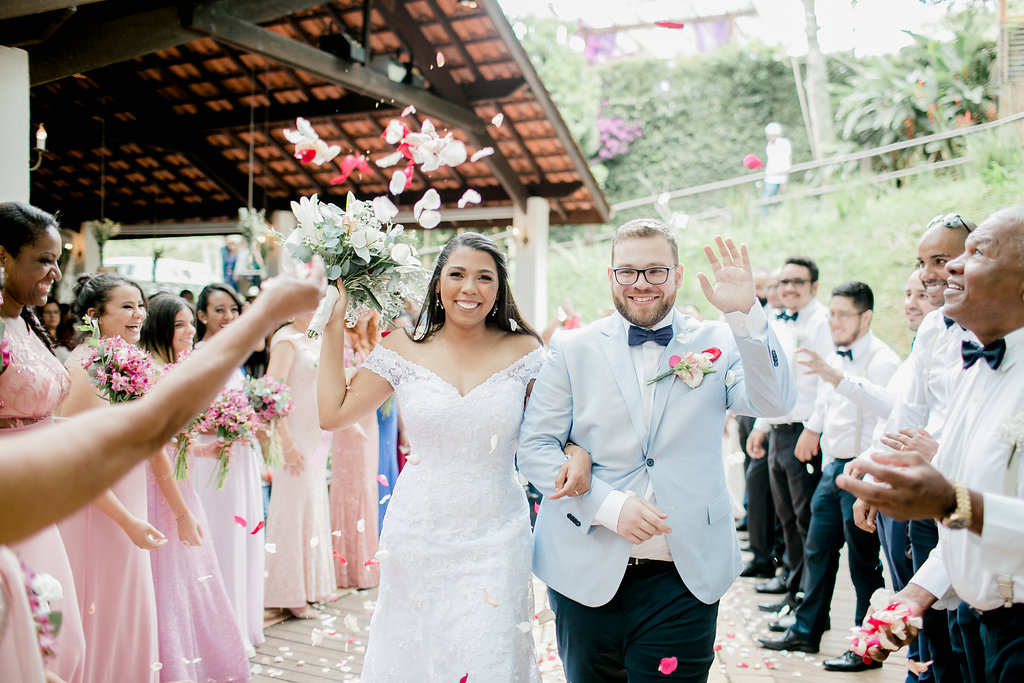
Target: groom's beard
642 317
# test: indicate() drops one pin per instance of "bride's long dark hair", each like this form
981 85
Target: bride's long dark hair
505 312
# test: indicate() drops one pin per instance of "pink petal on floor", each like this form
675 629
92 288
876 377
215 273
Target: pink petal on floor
257 529
489 600
668 665
742 665
240 521
382 480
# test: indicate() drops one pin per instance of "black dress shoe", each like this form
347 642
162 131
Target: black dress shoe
758 571
779 605
741 525
791 641
774 586
850 661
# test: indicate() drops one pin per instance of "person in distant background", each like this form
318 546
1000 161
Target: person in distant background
188 296
779 158
59 326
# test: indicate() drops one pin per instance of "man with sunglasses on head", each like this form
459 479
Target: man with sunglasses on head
635 566
803 322
934 370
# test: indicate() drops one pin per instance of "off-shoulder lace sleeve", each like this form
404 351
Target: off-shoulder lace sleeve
528 367
388 364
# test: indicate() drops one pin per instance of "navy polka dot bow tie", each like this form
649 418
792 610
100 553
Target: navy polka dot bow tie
638 335
991 352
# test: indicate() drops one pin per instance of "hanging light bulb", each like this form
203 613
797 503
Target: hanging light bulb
41 138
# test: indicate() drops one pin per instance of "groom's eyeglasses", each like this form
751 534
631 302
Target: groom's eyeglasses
658 275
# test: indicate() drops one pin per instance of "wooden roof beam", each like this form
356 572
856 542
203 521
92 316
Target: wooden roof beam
251 38
97 40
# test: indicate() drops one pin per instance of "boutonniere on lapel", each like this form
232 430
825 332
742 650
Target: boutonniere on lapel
691 367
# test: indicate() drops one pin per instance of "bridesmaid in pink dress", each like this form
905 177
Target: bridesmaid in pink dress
20 658
31 388
199 639
118 607
355 458
299 519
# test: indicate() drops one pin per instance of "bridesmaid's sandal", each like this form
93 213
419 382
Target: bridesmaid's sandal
305 612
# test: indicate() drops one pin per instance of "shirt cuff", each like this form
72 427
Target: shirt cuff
933 577
608 514
752 324
1001 535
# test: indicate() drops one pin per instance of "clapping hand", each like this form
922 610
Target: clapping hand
734 278
912 442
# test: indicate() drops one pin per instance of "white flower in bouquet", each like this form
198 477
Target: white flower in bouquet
360 246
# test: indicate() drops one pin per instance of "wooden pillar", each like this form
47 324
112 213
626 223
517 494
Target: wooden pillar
15 137
530 283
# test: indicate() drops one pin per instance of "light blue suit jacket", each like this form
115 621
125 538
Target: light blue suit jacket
587 392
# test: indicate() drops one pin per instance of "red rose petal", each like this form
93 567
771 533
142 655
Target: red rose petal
466 677
257 529
714 352
668 665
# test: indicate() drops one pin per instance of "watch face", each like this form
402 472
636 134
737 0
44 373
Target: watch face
956 522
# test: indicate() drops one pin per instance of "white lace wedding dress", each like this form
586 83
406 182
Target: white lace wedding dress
455 589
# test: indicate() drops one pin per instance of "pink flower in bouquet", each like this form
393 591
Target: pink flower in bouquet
270 399
232 419
121 371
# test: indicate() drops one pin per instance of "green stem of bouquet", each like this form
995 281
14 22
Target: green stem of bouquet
275 452
181 457
223 460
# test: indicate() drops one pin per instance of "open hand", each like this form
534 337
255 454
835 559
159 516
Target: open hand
912 442
189 531
907 487
816 365
144 535
734 278
288 294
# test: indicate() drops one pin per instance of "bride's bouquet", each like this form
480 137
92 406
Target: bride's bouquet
232 418
360 245
121 371
270 400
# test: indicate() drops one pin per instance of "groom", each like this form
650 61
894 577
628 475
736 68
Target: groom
636 565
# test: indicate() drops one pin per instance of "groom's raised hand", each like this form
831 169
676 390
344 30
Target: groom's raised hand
639 520
734 279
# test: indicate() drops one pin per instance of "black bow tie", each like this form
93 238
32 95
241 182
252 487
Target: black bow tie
949 322
848 353
991 352
786 317
638 335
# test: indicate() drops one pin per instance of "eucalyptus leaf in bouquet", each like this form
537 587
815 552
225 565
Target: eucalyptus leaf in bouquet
363 247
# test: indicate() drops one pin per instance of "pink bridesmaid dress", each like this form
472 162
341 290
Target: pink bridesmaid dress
20 657
199 638
114 582
299 521
354 502
31 388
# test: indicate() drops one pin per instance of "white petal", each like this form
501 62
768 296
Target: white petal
292 136
394 132
523 626
271 548
470 196
430 200
481 153
384 209
351 623
397 184
389 160
730 378
453 154
305 127
361 526
498 119
428 128
408 110
494 442
412 459
545 615
429 219
401 253
440 59
382 555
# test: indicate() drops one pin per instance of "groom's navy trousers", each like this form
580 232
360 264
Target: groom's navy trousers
652 616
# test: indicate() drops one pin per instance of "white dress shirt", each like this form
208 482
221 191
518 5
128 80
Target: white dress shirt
846 415
973 452
645 363
810 330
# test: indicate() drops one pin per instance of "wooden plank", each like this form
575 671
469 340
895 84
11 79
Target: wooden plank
21 8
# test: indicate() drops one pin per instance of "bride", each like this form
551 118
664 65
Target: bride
455 550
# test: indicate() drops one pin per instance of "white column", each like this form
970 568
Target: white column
530 284
14 125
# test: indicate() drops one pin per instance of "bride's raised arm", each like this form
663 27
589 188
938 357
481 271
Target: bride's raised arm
340 405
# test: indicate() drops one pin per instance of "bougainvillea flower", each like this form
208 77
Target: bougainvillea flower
470 196
668 665
751 162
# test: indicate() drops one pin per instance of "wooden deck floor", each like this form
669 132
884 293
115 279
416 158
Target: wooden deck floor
332 647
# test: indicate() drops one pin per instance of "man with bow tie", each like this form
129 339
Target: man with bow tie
801 323
974 484
636 565
850 402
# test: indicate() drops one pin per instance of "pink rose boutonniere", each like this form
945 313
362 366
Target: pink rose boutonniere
691 367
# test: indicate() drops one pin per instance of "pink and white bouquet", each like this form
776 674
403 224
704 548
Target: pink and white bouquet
40 590
896 616
691 367
232 418
121 371
271 400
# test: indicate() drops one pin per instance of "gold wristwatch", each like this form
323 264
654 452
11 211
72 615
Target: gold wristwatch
960 517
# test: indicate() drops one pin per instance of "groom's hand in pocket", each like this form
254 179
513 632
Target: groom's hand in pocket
640 519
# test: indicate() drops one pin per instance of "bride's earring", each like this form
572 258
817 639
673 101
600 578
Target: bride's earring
494 311
439 304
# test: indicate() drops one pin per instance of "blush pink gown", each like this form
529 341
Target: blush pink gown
199 638
31 388
299 520
114 582
20 658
